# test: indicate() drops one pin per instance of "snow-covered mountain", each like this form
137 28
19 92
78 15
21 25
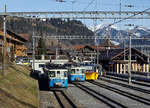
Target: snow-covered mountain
112 31
101 26
140 31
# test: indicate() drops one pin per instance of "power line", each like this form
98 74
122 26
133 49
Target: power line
129 17
88 5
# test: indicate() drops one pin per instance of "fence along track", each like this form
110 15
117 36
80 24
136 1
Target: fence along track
121 92
65 100
100 97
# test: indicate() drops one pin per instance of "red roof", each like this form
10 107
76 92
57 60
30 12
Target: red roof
78 47
100 48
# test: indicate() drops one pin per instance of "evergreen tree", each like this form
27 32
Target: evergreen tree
41 46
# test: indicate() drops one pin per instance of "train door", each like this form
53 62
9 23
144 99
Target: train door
58 74
78 71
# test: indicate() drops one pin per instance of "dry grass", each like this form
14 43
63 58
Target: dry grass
18 89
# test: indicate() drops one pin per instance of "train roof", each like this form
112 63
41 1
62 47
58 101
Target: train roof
87 64
77 67
54 66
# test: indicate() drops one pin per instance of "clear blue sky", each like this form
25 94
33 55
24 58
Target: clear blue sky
79 5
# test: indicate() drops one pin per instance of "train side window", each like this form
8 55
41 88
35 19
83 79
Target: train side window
73 71
41 65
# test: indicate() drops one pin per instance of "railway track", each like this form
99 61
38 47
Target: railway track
100 97
124 93
66 100
125 80
126 85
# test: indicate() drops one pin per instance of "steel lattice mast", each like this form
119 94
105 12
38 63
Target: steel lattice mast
82 14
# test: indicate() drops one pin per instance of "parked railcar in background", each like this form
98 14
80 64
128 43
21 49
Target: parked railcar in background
37 67
91 72
76 73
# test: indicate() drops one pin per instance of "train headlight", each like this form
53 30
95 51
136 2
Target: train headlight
51 79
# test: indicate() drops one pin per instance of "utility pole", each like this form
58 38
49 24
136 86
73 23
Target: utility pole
4 42
130 46
130 56
33 53
130 36
96 41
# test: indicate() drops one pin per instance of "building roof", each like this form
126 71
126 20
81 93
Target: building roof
16 36
61 57
114 53
99 47
108 54
78 47
94 47
9 37
25 36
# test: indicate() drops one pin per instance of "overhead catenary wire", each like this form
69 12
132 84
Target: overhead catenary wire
128 17
88 5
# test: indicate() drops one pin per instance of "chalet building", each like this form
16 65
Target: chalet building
15 44
49 54
91 51
21 50
85 50
117 60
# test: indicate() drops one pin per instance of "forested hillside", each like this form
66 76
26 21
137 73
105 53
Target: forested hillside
49 27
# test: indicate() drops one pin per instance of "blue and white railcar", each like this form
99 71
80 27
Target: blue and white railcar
76 74
57 76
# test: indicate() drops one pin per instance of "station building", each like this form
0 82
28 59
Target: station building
117 60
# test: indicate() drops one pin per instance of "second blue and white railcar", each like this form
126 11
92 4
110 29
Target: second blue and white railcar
76 74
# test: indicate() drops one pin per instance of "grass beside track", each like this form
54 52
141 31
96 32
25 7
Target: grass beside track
17 88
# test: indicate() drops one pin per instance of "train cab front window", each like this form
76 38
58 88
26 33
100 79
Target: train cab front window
65 74
51 74
58 72
73 71
77 71
82 71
